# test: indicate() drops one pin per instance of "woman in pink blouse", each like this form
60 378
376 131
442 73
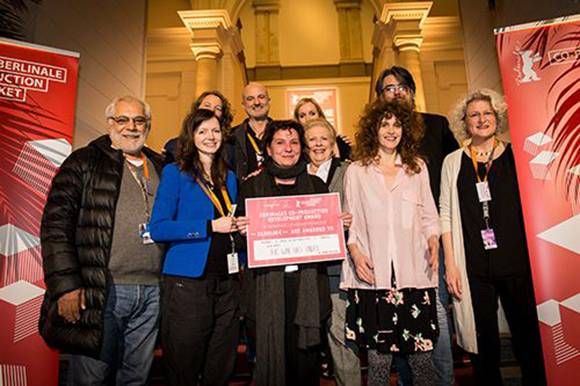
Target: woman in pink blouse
393 242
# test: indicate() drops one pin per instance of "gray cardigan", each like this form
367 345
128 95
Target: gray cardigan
337 170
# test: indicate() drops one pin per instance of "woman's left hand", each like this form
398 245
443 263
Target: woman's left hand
433 243
242 224
346 139
346 219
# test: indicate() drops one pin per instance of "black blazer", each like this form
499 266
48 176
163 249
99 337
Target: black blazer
437 143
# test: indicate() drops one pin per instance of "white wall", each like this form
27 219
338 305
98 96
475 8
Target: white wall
110 36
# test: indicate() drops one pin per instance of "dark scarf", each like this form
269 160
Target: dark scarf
285 173
270 307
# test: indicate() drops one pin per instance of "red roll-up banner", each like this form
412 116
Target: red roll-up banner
38 88
540 67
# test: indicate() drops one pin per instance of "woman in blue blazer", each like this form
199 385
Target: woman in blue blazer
193 214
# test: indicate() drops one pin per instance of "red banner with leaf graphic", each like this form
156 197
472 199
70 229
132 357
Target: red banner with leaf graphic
540 67
37 102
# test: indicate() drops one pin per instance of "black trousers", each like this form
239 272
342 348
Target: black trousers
199 329
517 298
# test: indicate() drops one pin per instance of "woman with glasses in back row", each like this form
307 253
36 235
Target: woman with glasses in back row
208 100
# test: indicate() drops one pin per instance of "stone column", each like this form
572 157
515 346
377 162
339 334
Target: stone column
206 55
350 32
408 48
397 40
267 42
213 36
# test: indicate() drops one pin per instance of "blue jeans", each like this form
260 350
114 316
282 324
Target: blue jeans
442 357
130 330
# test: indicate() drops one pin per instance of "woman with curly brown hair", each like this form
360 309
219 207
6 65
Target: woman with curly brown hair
393 242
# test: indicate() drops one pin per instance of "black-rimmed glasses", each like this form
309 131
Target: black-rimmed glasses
123 120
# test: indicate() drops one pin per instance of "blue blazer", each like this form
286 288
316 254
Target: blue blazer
180 217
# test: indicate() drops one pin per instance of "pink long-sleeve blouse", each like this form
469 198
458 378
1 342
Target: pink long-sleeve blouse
391 226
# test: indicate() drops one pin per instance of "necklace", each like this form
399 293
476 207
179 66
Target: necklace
483 153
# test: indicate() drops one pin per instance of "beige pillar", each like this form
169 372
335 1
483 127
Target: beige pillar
408 49
206 55
267 42
350 32
397 40
213 38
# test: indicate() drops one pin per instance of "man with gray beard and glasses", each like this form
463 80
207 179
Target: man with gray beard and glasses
101 267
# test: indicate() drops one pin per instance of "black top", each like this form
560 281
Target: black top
436 144
170 150
343 148
220 245
511 256
263 185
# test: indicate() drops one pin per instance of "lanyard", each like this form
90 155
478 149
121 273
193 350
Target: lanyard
487 163
253 142
144 184
213 198
484 204
216 202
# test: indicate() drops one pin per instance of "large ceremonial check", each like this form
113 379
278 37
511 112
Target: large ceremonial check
294 230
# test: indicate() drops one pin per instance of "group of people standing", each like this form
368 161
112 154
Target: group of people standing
115 219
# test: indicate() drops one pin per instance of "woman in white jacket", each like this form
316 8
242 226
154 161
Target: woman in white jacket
484 242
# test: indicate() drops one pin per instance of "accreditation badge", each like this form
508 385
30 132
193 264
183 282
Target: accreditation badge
488 237
483 192
233 263
145 234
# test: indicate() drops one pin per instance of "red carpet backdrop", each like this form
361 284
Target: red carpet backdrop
540 67
37 103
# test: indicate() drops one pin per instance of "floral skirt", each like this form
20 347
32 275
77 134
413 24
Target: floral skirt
394 320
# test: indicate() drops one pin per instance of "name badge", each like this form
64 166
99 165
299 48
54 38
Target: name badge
233 263
483 191
291 268
145 234
488 237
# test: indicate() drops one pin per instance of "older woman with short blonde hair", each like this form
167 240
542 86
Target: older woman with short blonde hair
483 236
320 140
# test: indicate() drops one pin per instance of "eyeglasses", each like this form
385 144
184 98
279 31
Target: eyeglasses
486 115
123 120
392 88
